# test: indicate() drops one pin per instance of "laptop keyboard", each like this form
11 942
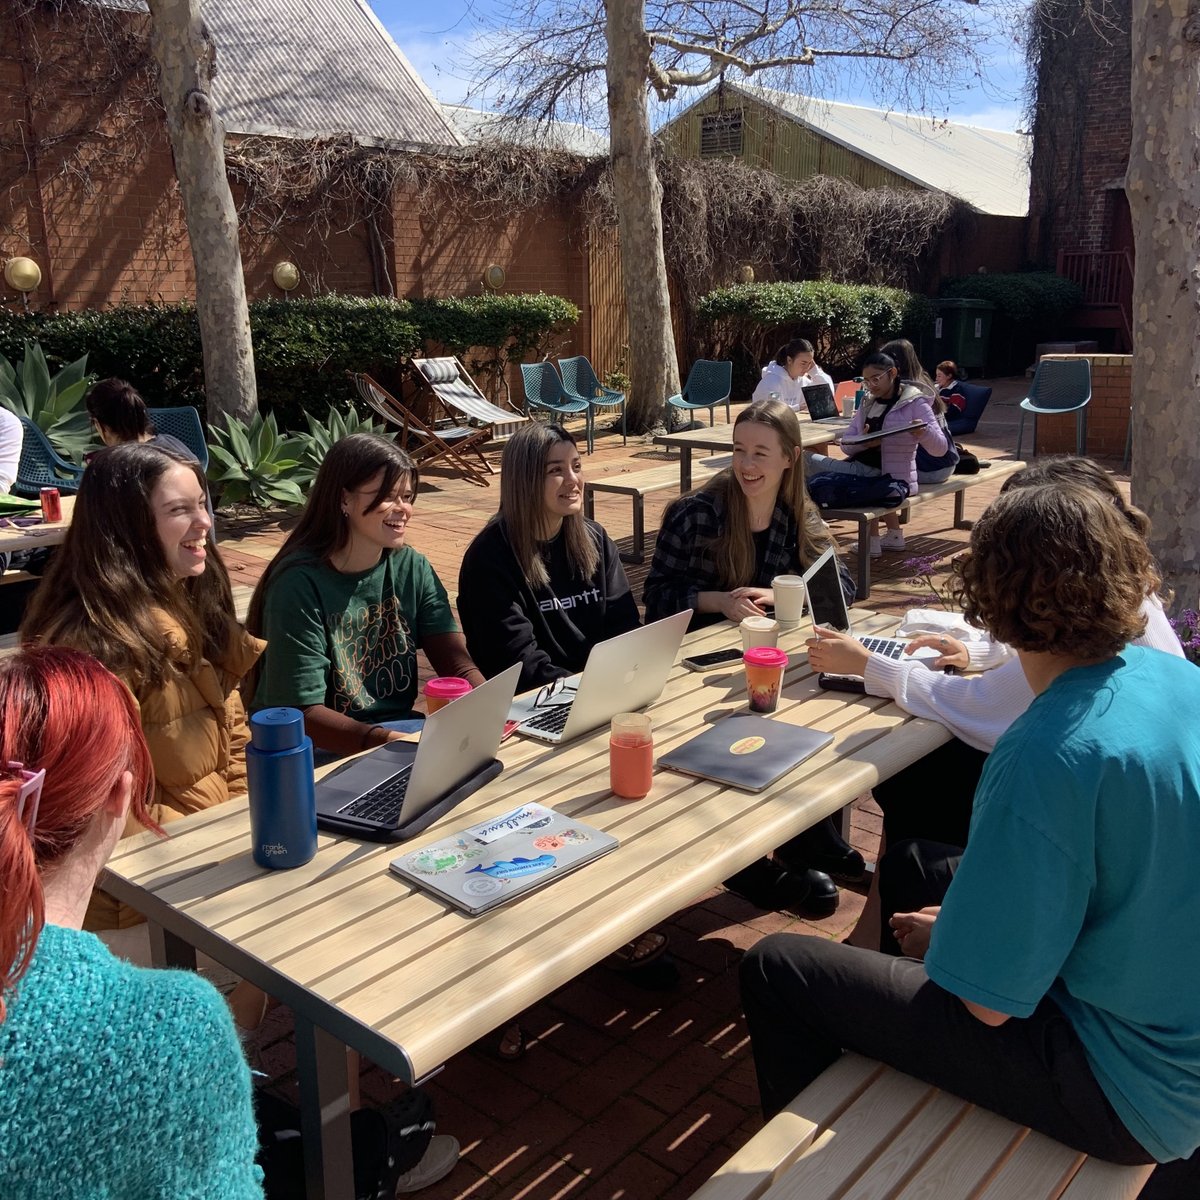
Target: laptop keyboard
382 804
549 720
888 647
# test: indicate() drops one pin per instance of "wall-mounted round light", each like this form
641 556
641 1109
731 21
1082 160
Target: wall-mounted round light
286 276
493 277
22 274
746 274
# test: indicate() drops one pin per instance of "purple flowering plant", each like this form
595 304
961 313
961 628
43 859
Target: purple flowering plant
1187 629
922 572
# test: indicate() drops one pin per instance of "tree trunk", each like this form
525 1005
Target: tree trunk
1163 185
186 59
653 370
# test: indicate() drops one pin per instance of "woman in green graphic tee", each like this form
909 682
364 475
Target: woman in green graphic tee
345 604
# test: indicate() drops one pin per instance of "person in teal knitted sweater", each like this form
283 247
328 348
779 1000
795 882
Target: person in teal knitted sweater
115 1081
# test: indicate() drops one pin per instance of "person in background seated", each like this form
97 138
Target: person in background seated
540 584
1060 973
346 604
717 552
892 403
115 1080
932 799
12 434
119 415
137 584
931 467
946 376
793 370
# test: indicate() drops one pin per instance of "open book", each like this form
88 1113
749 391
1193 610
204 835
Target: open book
860 439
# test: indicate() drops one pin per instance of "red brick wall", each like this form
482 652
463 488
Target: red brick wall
1107 413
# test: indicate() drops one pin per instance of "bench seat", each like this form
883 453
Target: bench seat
955 486
866 1131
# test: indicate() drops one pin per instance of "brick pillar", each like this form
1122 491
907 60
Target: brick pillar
1107 415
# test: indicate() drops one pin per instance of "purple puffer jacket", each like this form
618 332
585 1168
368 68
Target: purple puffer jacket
899 454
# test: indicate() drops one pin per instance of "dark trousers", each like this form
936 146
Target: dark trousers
912 875
932 798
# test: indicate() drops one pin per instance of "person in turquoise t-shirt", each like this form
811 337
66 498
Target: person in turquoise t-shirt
1062 971
345 604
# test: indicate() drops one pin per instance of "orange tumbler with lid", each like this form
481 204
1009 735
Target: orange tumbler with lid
440 690
764 677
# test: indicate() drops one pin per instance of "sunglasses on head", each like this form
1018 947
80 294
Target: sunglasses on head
29 794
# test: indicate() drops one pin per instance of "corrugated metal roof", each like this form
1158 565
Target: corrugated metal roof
476 125
985 167
303 68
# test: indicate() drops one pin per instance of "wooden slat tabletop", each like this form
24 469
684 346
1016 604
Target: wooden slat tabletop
720 437
31 537
409 982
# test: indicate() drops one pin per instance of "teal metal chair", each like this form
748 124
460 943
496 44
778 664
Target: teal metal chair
1060 385
708 384
184 424
580 383
544 390
40 466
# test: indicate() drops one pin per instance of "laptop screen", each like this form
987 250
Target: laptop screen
818 397
826 601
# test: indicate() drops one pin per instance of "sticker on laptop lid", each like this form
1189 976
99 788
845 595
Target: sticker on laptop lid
748 745
528 816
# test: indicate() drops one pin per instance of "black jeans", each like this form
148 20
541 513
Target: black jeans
912 875
932 798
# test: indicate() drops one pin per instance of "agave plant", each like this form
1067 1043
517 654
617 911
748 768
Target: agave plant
314 445
54 403
253 464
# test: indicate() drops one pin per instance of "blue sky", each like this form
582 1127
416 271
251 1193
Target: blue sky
438 37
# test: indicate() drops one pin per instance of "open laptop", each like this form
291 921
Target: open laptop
402 787
818 399
746 751
827 606
622 674
504 857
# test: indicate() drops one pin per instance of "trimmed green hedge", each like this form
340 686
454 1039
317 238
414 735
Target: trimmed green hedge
748 323
302 348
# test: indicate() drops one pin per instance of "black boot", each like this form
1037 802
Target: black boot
825 849
770 886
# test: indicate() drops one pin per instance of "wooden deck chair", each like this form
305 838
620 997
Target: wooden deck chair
460 397
426 443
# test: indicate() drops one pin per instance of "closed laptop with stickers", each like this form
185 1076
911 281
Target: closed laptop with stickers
746 751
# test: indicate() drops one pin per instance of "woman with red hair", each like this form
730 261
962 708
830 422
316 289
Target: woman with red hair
85 1036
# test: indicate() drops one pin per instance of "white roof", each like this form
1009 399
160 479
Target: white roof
476 125
985 167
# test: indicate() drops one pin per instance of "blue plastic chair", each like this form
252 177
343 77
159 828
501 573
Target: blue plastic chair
580 383
1060 385
184 424
976 398
544 390
40 466
708 384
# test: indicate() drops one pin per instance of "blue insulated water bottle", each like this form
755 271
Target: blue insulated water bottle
283 803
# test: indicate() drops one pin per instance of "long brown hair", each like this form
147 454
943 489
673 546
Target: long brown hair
522 504
111 574
61 712
322 529
733 551
904 355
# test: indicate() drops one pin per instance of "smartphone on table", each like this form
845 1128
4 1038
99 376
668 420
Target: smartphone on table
712 661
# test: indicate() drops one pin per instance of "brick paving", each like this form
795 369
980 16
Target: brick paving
624 1094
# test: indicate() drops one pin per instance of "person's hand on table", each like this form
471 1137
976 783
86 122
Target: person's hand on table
746 602
836 653
913 931
953 652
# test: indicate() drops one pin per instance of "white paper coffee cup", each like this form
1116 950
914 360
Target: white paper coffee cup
759 631
789 599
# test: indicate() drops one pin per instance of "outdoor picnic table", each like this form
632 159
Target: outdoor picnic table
814 435
367 961
15 534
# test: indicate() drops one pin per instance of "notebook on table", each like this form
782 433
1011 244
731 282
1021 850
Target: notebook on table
859 438
746 751
507 856
401 788
827 606
818 399
622 674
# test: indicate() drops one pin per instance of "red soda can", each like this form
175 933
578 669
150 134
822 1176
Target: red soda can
51 505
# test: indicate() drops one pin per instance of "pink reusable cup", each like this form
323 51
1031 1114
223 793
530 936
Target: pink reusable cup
764 676
442 689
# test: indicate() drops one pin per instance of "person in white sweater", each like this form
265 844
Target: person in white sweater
932 798
793 370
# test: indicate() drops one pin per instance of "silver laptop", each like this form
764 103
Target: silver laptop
499 859
622 674
827 606
402 787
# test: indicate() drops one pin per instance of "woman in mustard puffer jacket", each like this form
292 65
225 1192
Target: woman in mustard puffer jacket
137 585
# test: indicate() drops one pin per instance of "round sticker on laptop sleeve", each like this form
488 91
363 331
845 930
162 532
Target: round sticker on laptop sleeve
436 860
482 885
747 745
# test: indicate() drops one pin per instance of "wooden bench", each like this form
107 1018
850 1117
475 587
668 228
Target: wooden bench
955 486
865 1131
637 485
